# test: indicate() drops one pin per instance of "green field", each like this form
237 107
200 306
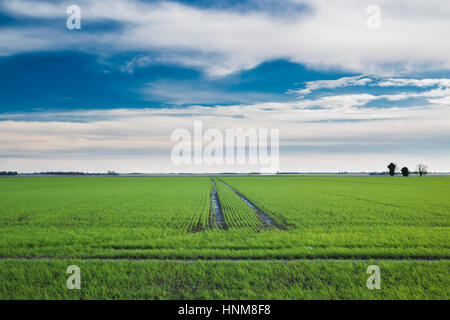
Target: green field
131 235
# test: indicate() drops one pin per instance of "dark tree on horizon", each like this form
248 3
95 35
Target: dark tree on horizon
392 166
405 171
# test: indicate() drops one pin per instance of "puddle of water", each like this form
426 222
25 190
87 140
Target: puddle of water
264 217
217 209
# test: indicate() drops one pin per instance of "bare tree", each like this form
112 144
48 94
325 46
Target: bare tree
391 168
421 169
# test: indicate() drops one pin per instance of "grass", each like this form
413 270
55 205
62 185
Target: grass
169 217
224 280
375 218
236 213
379 214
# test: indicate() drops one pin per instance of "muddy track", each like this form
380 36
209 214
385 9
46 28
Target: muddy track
265 218
217 208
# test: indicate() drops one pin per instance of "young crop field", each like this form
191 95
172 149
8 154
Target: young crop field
284 237
236 213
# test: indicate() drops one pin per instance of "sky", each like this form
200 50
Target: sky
351 85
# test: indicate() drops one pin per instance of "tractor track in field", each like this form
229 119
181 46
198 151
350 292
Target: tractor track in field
217 208
267 220
192 260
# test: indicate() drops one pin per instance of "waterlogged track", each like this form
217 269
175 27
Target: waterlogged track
266 219
217 208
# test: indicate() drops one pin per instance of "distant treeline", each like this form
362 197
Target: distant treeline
62 173
333 173
387 173
75 173
343 173
8 173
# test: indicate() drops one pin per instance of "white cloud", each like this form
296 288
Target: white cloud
421 83
331 34
333 84
442 85
135 62
192 92
441 101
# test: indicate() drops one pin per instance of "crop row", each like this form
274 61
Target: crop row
263 203
236 213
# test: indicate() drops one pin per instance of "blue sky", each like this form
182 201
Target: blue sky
336 89
67 80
